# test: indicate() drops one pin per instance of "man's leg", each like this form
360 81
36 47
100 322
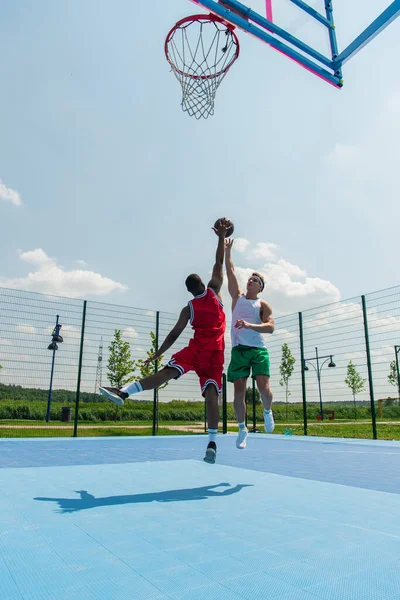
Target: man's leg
266 397
238 372
209 368
118 396
239 403
211 398
154 381
239 399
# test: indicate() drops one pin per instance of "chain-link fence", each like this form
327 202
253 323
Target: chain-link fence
334 370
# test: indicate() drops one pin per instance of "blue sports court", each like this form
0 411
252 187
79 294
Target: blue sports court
288 518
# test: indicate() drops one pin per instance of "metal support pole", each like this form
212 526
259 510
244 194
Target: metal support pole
49 398
155 392
319 386
245 408
369 364
78 384
254 406
397 350
243 17
374 29
303 373
224 406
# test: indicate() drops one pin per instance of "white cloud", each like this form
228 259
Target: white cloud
267 251
289 292
51 278
352 315
36 257
130 332
241 244
26 328
81 263
287 286
9 195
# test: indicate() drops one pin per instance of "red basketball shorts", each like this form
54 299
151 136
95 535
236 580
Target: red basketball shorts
207 364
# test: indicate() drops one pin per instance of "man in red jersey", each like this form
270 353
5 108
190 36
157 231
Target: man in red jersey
205 352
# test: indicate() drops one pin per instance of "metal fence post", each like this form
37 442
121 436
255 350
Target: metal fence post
369 364
155 393
303 374
254 406
224 406
397 350
78 384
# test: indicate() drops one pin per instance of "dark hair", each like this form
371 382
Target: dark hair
194 284
255 274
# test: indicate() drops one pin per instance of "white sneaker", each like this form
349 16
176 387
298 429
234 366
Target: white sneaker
269 423
241 438
114 394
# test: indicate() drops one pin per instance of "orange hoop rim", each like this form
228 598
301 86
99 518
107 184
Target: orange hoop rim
202 17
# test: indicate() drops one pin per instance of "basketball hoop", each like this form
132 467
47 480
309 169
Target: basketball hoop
201 49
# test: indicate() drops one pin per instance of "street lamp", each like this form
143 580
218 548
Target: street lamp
396 351
318 370
56 338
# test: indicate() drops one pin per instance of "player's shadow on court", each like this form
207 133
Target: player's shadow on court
86 500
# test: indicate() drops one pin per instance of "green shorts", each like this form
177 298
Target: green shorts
246 358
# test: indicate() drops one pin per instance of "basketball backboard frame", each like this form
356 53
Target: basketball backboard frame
328 68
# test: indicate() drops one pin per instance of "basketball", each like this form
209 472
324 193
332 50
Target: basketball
230 229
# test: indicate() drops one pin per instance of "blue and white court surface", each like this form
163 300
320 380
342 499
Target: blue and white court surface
145 518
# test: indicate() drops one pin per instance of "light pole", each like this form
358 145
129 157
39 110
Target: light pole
396 351
56 337
318 370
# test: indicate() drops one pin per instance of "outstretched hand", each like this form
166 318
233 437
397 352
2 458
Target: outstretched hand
222 228
228 245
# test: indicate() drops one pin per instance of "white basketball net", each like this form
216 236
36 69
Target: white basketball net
201 49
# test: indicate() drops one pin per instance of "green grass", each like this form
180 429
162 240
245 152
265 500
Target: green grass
338 430
43 424
95 432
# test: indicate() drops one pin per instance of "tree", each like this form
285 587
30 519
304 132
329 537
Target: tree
355 382
286 370
249 396
392 377
146 370
120 363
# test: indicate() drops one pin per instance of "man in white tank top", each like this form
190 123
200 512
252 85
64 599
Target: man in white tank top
251 320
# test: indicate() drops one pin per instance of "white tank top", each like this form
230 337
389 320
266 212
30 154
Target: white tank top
248 310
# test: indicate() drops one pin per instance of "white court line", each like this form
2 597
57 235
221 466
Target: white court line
356 452
339 452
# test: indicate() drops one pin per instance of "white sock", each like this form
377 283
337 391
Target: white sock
242 425
132 388
212 435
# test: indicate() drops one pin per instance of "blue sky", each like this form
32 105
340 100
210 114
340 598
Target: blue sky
108 191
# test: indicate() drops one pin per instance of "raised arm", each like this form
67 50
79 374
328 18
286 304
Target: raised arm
217 276
233 285
173 334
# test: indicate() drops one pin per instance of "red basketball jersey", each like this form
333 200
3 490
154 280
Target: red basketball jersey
208 320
